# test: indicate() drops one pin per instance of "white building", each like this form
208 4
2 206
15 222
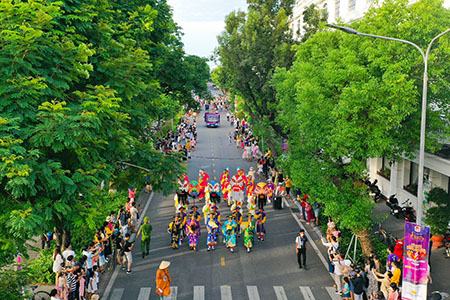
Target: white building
343 10
401 177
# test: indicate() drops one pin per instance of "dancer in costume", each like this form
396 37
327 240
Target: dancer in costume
237 216
206 211
229 228
212 226
249 233
270 190
183 189
224 178
175 229
193 232
214 192
216 212
260 221
194 211
251 205
238 183
203 179
183 218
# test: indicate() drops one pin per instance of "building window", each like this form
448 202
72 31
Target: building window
414 178
337 6
351 5
385 170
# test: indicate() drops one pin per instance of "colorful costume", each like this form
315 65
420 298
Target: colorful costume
214 192
203 179
212 225
175 229
183 189
260 221
238 184
249 232
193 232
229 233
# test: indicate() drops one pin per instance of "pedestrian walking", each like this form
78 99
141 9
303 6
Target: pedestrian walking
358 285
127 247
146 231
300 246
163 280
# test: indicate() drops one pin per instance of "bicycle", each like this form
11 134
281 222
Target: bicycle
39 295
385 237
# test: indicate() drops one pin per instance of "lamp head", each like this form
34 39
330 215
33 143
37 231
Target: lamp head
343 28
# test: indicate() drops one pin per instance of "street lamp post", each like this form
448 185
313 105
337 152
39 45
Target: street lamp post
425 56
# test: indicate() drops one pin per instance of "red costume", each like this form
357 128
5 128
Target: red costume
202 183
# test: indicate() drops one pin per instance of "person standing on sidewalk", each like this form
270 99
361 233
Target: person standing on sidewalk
146 231
163 280
300 247
127 247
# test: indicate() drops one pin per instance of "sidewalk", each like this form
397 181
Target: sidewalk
440 266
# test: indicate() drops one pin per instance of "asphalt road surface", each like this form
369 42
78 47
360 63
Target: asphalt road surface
270 271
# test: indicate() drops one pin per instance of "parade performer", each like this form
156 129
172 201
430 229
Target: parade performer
251 174
214 192
229 233
249 232
216 212
224 178
193 232
250 188
203 179
175 229
183 189
270 189
183 218
194 211
212 227
193 190
260 221
226 193
251 205
237 216
238 183
206 211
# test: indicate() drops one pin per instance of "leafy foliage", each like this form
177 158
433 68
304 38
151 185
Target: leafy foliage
82 83
438 215
348 98
252 46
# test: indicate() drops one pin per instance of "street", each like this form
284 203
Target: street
270 271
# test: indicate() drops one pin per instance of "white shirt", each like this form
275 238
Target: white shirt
57 263
68 252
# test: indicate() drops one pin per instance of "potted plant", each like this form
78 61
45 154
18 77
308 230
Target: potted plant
438 214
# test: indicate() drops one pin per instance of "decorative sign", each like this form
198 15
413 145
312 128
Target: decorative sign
415 261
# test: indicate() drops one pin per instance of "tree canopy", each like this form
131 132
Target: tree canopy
348 98
253 45
82 83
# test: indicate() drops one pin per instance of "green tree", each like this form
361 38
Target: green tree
347 99
252 46
313 18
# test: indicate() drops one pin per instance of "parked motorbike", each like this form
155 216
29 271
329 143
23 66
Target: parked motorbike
374 190
392 202
436 295
403 211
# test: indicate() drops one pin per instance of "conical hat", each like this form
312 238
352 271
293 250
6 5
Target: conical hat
164 264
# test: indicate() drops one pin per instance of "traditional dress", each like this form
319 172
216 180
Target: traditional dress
251 205
260 221
238 184
224 178
249 233
214 192
193 232
203 179
229 233
183 189
175 229
212 226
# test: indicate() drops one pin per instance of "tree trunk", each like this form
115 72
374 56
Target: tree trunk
366 243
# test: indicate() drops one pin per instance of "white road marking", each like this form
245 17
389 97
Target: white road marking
199 292
117 294
307 293
116 271
332 293
280 293
225 292
144 294
252 291
173 293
